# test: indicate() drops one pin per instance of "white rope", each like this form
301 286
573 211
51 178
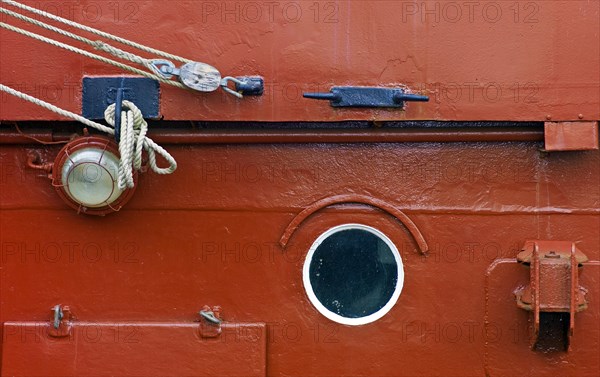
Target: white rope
91 55
133 136
133 140
44 25
97 32
98 45
153 65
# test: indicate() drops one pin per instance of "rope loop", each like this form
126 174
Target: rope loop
133 141
134 129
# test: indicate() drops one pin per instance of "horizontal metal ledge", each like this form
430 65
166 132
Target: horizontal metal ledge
435 211
303 136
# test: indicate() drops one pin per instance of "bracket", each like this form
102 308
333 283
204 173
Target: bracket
553 288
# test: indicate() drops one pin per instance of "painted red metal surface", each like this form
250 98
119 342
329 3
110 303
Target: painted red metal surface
490 60
233 225
133 349
571 136
210 234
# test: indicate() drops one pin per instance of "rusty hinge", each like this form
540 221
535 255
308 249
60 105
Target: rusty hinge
210 322
553 293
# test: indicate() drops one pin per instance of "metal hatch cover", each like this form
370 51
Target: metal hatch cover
133 349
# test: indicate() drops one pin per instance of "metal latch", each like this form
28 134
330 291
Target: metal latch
250 85
210 321
553 293
61 325
244 85
358 96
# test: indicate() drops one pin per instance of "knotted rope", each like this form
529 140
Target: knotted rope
133 140
133 136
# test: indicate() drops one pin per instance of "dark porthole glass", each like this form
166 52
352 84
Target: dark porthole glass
353 274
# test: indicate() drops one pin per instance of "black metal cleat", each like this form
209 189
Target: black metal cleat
357 96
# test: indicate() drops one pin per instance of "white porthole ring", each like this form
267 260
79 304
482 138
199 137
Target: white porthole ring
334 316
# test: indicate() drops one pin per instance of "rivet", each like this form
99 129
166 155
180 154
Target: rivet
580 116
548 117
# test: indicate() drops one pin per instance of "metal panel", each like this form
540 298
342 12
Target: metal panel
571 136
490 60
211 232
100 92
133 349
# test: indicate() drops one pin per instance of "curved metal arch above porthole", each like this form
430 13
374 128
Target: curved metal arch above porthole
359 199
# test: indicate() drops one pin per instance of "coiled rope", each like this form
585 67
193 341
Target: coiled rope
133 136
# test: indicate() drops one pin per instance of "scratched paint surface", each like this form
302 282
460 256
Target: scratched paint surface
209 235
489 60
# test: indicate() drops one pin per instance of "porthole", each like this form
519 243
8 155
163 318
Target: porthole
353 274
